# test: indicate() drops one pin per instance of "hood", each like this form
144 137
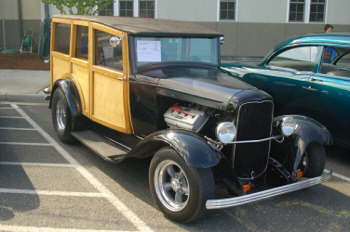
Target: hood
217 91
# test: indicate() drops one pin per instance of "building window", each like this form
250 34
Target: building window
126 8
108 10
146 8
317 10
296 10
227 9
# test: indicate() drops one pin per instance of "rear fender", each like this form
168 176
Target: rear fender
72 97
192 148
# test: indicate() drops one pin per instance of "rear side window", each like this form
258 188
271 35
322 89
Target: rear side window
108 50
335 62
82 42
62 38
345 61
299 58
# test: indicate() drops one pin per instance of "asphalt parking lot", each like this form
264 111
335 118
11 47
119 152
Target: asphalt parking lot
49 186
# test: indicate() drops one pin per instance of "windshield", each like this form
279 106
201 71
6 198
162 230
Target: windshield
151 50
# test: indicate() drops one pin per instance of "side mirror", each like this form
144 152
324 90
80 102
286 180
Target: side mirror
222 40
114 41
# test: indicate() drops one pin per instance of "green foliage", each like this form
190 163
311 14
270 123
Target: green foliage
79 7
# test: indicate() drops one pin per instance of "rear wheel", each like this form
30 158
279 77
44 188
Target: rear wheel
179 191
314 160
61 117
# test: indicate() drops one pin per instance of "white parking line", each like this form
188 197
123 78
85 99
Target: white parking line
38 164
25 103
11 117
340 176
48 229
14 128
52 193
25 144
118 204
6 108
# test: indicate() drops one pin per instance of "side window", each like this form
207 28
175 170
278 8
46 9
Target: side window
82 48
62 38
300 58
330 65
108 50
329 55
344 61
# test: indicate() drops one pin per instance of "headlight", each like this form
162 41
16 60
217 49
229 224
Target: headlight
288 126
226 132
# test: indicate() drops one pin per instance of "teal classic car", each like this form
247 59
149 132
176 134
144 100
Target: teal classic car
307 75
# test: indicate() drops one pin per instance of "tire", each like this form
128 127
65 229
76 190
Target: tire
170 176
314 160
61 117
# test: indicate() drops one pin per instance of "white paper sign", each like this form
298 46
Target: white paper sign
148 51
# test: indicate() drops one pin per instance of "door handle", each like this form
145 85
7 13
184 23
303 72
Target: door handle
315 79
309 88
122 78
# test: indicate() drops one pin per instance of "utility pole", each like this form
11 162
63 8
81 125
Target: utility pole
20 19
4 45
47 10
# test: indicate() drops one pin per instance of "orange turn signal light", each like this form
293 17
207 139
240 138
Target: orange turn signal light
299 174
246 188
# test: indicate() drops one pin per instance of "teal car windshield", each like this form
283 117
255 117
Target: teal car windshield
153 50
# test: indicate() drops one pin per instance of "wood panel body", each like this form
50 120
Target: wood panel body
81 76
104 92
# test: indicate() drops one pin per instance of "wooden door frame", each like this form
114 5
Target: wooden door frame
112 73
84 63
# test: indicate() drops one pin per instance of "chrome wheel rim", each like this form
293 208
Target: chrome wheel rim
61 115
171 185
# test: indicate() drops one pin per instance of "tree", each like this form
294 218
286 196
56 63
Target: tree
79 7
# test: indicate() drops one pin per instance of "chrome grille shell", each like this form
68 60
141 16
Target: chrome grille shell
254 122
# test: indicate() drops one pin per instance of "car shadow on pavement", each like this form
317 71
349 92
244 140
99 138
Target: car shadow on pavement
320 208
341 155
10 202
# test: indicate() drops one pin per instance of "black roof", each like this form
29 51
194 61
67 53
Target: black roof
147 26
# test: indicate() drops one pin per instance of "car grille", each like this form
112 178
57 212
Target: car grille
254 121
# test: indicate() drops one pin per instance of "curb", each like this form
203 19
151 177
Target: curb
28 98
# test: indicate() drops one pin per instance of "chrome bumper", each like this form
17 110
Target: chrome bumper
241 200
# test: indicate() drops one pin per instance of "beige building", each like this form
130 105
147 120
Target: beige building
11 28
251 27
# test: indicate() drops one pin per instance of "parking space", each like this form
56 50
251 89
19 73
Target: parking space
49 186
39 176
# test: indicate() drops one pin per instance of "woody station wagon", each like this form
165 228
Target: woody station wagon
146 88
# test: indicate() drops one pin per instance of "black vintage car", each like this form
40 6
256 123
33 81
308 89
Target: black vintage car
150 88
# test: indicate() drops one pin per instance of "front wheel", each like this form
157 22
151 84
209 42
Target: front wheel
179 191
314 160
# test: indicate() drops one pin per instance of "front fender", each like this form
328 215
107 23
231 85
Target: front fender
192 148
71 94
307 131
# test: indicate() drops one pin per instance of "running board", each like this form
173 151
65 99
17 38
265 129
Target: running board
109 150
